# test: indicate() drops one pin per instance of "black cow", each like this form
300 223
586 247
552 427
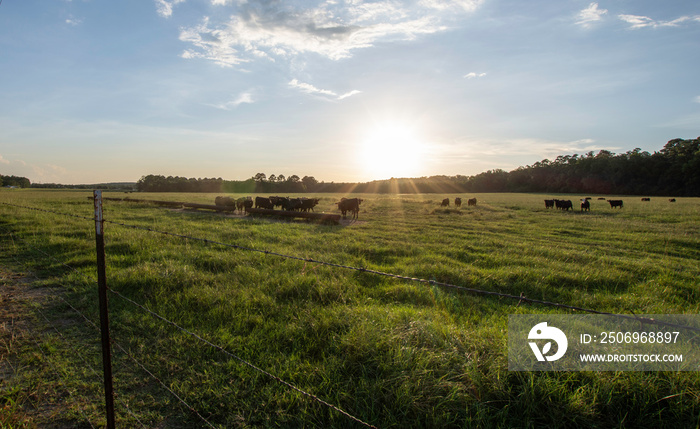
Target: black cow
291 204
263 203
566 205
445 202
278 201
671 200
646 199
615 203
308 204
458 202
225 201
585 205
548 204
244 203
349 205
471 202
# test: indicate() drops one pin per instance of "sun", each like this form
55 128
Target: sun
392 150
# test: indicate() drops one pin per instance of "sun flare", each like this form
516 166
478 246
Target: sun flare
392 150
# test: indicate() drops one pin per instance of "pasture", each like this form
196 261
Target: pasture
393 353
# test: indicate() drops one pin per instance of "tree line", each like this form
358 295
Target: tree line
673 170
260 183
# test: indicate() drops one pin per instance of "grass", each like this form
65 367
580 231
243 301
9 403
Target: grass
390 352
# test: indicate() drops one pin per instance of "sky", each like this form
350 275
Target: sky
96 91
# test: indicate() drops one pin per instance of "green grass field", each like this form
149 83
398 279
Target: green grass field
393 353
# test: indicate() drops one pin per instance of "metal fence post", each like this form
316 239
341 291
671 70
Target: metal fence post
104 316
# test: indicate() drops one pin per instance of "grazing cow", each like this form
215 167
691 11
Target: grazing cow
601 198
308 204
566 205
445 202
585 205
225 201
615 203
646 199
349 205
548 204
458 202
244 203
278 201
471 202
263 203
671 200
291 204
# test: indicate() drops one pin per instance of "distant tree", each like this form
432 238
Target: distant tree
310 183
19 181
260 177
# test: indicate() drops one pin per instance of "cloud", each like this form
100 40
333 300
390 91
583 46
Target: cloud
165 7
528 147
637 21
3 160
243 98
279 30
590 15
473 75
310 89
74 21
349 94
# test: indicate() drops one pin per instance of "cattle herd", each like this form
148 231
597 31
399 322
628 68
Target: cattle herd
241 204
586 204
458 202
303 204
352 205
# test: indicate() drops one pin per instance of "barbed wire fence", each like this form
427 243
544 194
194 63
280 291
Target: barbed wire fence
199 338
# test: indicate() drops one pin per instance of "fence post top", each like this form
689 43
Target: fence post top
99 222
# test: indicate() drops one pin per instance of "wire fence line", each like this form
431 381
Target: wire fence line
87 364
116 344
519 298
245 362
192 334
55 371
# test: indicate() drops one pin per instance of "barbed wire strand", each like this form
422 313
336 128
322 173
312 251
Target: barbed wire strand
241 360
520 298
55 371
49 211
123 350
87 364
117 344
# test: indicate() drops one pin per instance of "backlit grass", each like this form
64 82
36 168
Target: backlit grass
391 352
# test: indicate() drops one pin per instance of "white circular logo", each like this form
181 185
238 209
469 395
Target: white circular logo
543 332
